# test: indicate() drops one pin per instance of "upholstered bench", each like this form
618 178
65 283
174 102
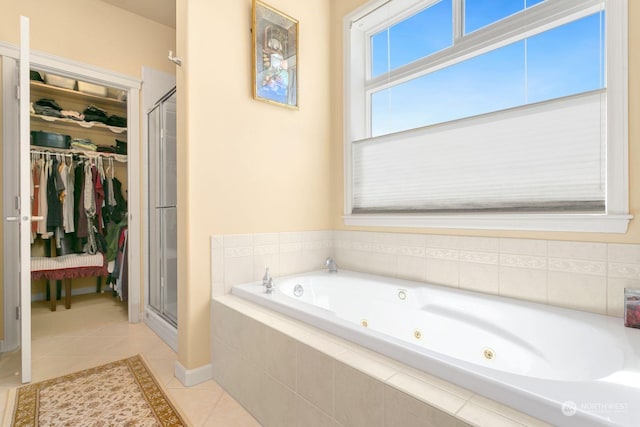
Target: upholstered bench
65 268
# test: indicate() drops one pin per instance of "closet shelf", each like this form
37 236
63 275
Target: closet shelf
48 90
85 125
37 149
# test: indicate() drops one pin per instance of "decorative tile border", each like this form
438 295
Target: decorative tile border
523 261
480 257
594 268
624 271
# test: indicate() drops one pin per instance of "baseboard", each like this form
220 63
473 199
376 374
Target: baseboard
191 377
162 328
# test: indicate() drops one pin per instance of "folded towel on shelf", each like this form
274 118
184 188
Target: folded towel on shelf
95 114
106 149
46 111
117 121
83 144
47 102
47 107
72 115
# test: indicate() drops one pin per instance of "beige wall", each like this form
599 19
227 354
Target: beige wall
339 8
248 166
91 32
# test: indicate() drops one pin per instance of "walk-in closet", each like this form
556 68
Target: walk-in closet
79 188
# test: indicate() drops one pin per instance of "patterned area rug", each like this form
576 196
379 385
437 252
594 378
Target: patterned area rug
122 393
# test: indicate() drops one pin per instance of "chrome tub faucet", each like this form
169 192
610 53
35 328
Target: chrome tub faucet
331 265
267 282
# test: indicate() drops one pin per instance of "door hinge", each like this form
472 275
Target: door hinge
17 202
17 92
18 313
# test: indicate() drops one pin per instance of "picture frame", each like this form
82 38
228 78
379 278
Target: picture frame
275 56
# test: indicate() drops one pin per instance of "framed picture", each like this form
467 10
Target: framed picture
275 56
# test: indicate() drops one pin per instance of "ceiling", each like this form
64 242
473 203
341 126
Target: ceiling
161 11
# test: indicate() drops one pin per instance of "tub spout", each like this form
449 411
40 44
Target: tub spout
331 265
269 286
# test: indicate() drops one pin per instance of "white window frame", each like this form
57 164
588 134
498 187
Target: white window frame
357 117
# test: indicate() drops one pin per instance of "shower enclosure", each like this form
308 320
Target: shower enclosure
163 239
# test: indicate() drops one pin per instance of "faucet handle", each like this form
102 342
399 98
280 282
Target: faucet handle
266 276
270 288
331 265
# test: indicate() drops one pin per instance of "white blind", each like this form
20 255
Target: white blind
543 157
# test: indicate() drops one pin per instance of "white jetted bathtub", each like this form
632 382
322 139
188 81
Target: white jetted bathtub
566 367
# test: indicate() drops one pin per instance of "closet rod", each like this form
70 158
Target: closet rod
117 157
52 153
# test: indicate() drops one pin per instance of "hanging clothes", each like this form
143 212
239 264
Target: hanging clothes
80 215
111 199
42 195
123 279
120 209
68 203
98 197
74 196
112 238
35 194
117 279
89 193
55 187
89 206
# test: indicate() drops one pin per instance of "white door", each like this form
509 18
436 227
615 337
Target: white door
24 205
20 246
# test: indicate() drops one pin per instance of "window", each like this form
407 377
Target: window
487 114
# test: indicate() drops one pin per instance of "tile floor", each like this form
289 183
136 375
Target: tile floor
95 331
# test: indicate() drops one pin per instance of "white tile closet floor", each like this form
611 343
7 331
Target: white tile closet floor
95 331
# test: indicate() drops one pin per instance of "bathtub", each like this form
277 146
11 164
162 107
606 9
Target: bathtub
563 366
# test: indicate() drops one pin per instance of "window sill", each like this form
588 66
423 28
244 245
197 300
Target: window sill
585 223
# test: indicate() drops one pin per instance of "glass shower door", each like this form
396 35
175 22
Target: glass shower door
163 274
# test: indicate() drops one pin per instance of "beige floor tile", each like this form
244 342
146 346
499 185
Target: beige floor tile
162 369
229 413
47 367
158 349
195 404
122 329
9 367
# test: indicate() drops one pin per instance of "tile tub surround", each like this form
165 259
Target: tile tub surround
242 258
579 275
288 373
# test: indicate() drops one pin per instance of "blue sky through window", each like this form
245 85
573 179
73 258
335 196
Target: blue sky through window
563 61
480 13
389 47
